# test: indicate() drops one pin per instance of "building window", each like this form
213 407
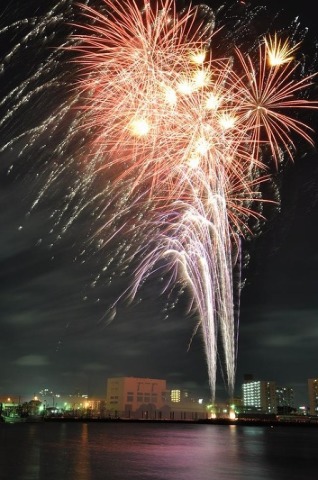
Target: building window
175 395
130 396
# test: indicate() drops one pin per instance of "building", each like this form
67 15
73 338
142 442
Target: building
133 397
184 405
149 399
285 400
259 397
313 396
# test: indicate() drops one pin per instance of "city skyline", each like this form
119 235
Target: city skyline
53 312
149 398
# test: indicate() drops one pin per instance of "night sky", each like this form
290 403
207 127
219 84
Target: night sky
55 333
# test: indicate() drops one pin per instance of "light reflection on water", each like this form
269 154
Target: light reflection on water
108 451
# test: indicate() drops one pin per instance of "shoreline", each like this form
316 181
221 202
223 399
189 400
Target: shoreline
225 422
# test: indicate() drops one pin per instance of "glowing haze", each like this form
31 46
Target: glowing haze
182 138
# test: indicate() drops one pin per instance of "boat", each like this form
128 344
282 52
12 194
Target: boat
12 416
17 413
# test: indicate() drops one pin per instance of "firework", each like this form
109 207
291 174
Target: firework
187 129
180 138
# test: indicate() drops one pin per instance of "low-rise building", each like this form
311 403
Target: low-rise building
149 399
134 397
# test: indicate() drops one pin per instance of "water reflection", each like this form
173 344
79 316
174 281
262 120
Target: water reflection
251 446
19 454
145 451
68 449
82 467
32 457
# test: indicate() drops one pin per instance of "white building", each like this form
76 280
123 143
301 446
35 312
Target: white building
259 396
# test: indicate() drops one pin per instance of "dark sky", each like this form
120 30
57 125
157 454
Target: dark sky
54 333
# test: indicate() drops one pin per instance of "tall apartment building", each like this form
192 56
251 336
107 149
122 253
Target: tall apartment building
285 400
313 396
139 397
259 396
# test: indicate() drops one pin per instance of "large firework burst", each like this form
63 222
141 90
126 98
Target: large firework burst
178 135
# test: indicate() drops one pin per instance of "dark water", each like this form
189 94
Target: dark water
96 451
